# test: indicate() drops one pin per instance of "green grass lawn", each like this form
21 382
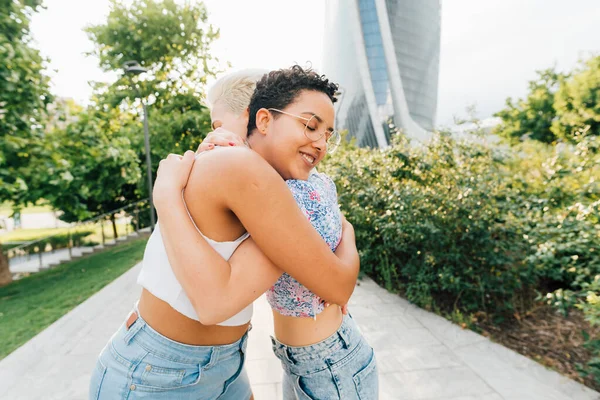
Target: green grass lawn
29 305
24 235
6 209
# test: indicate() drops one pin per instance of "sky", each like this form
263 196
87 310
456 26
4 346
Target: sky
489 49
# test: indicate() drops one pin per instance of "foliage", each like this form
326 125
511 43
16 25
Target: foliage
436 223
176 127
171 40
565 246
577 103
590 304
558 107
532 117
560 189
108 168
468 228
23 98
93 167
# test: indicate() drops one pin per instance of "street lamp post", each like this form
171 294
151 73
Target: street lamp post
134 68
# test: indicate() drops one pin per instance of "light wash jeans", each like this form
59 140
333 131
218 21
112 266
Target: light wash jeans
140 363
343 366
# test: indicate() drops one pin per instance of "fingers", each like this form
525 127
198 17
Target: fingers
205 146
223 137
189 156
346 225
221 141
227 134
344 308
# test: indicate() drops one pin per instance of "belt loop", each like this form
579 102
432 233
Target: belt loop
214 356
243 341
288 355
279 347
344 334
133 324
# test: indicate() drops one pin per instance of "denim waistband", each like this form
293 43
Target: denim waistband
163 347
346 337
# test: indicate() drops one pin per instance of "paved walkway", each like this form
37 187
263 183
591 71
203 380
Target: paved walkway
421 356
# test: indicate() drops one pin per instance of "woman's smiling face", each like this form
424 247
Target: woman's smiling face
287 148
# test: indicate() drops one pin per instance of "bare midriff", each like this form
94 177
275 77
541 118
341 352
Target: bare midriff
304 331
168 322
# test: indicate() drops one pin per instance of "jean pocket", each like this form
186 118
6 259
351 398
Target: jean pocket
366 380
96 380
317 386
301 388
150 376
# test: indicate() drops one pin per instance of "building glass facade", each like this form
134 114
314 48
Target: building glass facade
387 69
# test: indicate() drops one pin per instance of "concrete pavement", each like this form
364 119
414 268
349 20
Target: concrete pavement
421 356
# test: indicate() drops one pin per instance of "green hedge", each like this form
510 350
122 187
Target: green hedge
435 223
466 227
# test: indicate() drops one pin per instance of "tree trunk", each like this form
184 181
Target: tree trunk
114 225
5 276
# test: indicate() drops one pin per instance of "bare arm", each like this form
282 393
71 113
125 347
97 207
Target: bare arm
223 289
218 289
265 206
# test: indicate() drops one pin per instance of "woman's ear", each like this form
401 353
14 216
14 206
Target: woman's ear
263 119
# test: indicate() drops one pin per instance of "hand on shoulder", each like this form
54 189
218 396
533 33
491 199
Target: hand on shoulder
172 176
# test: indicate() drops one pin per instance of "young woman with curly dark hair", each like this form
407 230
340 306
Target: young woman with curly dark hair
235 192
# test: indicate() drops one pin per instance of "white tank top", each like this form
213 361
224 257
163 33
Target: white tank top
158 278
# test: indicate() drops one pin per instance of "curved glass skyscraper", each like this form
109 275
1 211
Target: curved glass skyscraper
385 56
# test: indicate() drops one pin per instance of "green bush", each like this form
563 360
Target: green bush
467 228
436 223
560 187
566 245
590 305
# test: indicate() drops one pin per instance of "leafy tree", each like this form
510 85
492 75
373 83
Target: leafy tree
577 103
93 167
172 41
532 117
108 168
23 97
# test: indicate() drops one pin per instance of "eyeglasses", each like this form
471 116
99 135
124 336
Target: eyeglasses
312 131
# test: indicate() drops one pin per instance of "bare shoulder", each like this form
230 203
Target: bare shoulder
232 167
229 160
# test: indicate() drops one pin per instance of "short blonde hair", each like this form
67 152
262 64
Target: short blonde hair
235 89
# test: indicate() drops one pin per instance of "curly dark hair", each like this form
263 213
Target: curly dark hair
279 89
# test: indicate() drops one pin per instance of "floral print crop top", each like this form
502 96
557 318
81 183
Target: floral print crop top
317 197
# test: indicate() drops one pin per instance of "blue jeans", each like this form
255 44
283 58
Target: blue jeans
140 363
343 366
